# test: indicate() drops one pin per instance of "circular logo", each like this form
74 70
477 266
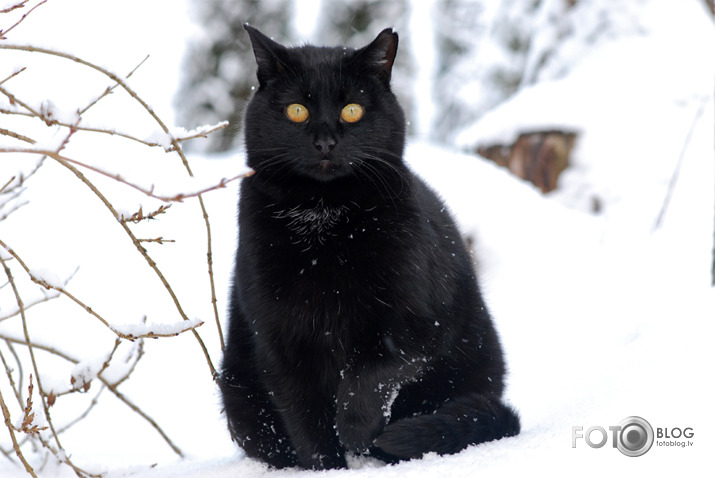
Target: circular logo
636 436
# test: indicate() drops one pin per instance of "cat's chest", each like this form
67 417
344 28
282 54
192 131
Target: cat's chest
328 230
326 251
308 225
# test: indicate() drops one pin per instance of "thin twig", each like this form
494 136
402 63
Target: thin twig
141 250
5 410
157 240
13 438
13 75
110 386
33 360
109 89
8 183
51 121
20 4
12 134
14 100
139 216
676 173
91 311
8 372
179 197
29 305
176 147
5 32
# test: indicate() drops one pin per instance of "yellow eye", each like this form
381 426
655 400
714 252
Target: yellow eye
297 113
352 113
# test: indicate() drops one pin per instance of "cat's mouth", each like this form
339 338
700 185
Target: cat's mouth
324 168
328 169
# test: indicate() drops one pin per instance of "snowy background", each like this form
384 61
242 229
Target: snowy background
602 316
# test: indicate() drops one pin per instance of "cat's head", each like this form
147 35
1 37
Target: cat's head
324 113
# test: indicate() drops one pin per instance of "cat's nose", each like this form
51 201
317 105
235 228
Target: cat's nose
324 145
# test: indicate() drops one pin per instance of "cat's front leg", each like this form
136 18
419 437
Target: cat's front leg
361 411
365 396
307 413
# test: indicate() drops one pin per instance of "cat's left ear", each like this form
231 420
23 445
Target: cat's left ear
379 56
271 57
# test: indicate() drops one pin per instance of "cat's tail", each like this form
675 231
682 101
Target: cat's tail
461 422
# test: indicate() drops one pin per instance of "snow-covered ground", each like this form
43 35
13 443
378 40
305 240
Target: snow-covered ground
602 316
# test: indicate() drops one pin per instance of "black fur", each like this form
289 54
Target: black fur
356 323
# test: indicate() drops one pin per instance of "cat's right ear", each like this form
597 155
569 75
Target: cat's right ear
271 57
379 56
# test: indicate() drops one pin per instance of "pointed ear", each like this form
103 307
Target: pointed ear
379 56
270 56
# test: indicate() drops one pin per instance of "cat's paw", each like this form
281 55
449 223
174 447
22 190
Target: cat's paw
360 418
325 462
357 434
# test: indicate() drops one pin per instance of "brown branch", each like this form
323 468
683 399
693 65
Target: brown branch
109 89
5 32
157 240
30 110
119 81
139 216
144 254
12 134
13 438
176 147
87 308
179 197
5 411
110 386
84 414
28 306
8 372
20 4
49 120
9 188
7 184
12 75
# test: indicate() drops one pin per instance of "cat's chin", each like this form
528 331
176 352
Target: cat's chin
325 170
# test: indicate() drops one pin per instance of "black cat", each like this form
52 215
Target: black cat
356 323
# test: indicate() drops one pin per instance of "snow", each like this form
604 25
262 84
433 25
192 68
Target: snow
601 316
47 277
165 139
152 329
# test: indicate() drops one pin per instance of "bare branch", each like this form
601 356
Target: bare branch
117 330
13 438
14 74
176 147
5 410
169 140
110 386
157 240
3 33
139 215
676 172
12 134
14 313
179 197
19 4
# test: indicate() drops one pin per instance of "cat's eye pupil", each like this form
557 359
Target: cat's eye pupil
297 113
352 113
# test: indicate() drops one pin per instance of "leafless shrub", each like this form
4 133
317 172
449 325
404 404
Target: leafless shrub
27 405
